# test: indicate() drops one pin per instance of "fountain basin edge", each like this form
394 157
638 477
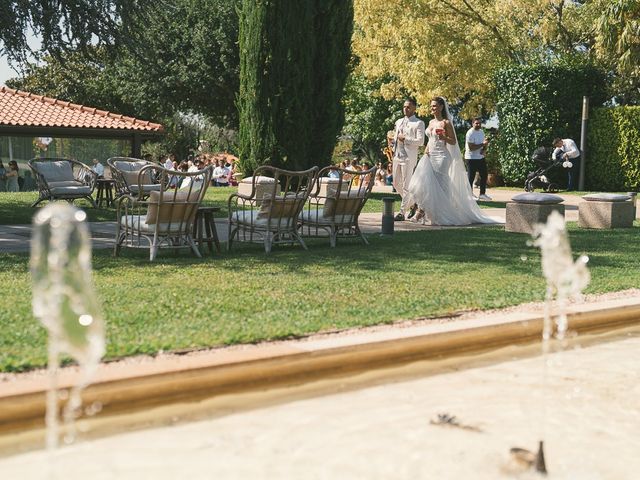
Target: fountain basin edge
121 388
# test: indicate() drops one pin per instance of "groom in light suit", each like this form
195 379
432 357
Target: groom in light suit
407 138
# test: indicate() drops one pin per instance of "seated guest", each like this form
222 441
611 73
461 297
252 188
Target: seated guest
98 168
221 175
364 167
3 177
389 177
354 167
12 175
334 173
381 174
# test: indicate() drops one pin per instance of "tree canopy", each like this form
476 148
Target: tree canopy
182 57
452 47
64 24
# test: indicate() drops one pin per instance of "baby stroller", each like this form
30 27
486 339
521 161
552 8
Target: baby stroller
542 157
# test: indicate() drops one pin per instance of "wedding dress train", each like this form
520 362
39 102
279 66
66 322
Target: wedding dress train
440 187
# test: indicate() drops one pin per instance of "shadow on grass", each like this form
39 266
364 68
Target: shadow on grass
453 250
450 249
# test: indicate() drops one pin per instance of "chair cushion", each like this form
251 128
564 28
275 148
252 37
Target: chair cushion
131 177
538 198
125 166
264 186
287 206
329 186
67 183
606 197
139 223
154 187
175 206
55 171
252 218
79 190
344 204
259 180
317 216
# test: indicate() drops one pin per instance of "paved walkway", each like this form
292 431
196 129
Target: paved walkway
15 238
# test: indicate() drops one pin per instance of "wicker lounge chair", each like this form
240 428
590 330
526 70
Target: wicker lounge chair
125 170
62 179
166 217
335 203
269 212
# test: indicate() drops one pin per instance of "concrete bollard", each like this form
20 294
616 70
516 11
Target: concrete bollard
387 216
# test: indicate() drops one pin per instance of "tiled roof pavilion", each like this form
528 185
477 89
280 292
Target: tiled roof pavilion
23 113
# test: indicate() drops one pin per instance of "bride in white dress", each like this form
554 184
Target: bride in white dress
439 185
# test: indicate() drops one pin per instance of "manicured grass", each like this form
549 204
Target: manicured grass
15 208
180 302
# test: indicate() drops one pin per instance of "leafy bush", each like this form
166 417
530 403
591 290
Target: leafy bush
368 116
612 161
536 103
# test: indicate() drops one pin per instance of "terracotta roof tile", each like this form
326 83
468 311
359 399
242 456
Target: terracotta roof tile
26 109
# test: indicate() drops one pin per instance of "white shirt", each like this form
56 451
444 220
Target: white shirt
99 169
476 137
413 130
570 148
221 174
168 164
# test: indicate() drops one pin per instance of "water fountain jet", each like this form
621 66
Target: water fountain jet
566 278
65 303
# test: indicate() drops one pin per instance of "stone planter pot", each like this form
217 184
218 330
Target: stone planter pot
494 180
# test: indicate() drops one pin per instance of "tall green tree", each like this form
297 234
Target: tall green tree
179 58
293 66
368 116
618 44
332 36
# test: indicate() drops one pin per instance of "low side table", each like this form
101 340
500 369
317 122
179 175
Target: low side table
104 191
205 228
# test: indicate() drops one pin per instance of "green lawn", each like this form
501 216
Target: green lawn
15 208
180 302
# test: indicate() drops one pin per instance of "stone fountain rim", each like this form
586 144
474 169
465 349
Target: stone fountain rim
172 378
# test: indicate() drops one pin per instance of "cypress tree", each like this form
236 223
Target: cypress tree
293 66
333 29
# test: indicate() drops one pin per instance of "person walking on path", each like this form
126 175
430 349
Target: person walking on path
408 136
474 154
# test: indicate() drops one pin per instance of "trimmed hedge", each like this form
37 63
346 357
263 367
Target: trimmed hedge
613 149
536 103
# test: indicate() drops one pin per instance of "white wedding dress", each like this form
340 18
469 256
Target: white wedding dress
440 186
